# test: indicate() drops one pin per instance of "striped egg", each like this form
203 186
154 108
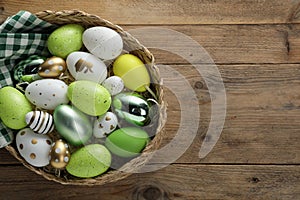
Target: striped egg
40 121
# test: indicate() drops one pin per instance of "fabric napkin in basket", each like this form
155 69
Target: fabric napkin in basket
21 35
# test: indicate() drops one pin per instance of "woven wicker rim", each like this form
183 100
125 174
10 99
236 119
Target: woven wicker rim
89 20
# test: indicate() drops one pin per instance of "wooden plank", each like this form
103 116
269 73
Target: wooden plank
262 122
262 115
174 182
229 44
170 12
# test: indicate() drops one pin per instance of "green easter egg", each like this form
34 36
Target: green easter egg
65 40
132 71
89 161
13 107
73 125
89 97
132 107
127 142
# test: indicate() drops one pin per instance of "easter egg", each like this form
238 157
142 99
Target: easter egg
47 93
89 97
113 84
127 141
73 125
40 121
28 66
103 42
13 107
132 71
105 124
132 107
65 39
33 147
89 161
59 154
52 68
85 66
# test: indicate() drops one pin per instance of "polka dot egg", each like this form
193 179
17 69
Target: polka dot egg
59 155
47 93
33 147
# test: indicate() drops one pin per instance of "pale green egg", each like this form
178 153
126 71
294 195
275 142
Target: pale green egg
13 107
89 97
65 40
89 161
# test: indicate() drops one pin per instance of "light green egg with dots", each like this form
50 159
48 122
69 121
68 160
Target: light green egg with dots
65 40
13 107
89 161
89 97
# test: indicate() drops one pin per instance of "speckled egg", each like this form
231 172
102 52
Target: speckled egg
47 93
13 107
59 155
114 85
85 66
103 42
105 124
89 161
89 97
34 148
65 40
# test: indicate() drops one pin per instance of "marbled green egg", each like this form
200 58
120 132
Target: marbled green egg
65 40
89 97
13 107
73 125
127 142
89 161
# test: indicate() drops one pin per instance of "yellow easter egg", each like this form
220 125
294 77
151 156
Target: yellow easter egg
132 71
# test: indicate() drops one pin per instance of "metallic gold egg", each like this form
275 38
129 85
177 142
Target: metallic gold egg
59 155
52 68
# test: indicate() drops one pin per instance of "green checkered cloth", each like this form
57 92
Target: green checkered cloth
21 36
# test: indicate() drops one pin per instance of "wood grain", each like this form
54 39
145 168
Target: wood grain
174 182
228 44
170 12
256 46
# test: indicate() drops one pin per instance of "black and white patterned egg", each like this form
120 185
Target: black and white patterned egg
40 121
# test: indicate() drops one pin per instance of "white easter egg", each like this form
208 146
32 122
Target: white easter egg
114 85
86 66
33 147
105 124
47 93
103 42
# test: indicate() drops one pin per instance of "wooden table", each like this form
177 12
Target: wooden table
256 47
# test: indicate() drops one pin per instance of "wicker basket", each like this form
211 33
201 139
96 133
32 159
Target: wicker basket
134 47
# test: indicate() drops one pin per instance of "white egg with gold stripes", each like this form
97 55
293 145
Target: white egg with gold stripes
40 121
